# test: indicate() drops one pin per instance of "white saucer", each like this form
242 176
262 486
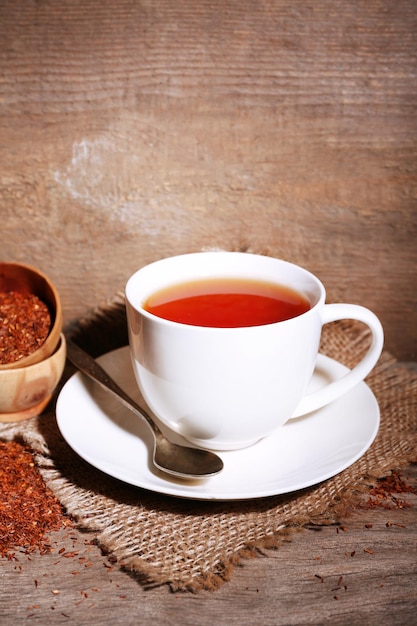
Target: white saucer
302 453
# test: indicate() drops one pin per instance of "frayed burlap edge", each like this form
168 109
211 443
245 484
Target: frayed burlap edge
196 545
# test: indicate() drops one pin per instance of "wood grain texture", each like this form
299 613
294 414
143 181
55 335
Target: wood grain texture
134 130
360 572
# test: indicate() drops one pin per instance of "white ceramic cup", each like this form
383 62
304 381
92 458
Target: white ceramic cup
226 388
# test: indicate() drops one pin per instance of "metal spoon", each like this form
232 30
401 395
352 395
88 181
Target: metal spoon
177 460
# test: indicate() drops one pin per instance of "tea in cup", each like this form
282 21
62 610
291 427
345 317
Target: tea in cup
224 344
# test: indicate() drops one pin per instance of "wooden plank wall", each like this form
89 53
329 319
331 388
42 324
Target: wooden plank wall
136 129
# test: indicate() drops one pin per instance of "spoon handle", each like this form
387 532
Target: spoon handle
89 366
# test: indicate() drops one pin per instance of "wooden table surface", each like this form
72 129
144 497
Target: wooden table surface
134 130
362 571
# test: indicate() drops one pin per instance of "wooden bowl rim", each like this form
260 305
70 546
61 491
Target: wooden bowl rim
54 304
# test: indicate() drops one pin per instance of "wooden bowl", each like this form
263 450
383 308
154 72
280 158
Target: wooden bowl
25 391
27 279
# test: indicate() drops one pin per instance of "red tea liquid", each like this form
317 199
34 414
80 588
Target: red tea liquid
227 303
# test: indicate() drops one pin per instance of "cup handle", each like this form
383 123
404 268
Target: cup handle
332 391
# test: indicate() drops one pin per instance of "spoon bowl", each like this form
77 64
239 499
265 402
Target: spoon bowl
171 458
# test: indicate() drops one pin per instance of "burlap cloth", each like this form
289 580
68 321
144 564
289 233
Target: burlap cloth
195 545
